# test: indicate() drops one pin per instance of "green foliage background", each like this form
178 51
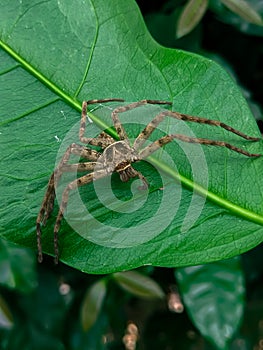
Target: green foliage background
56 54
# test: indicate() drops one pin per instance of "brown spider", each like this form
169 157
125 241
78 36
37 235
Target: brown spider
117 156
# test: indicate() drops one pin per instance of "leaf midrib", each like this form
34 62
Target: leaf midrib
189 184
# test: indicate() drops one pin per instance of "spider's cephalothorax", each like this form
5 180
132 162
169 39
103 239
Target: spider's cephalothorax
117 156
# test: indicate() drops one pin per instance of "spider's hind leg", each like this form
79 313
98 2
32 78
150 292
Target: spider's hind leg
148 130
103 140
84 180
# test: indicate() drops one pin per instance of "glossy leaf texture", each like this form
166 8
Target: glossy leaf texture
204 205
214 298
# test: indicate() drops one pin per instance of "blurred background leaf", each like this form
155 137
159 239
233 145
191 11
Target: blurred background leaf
17 267
214 297
6 318
92 304
244 10
191 15
139 285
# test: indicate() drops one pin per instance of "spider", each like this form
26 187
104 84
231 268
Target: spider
117 156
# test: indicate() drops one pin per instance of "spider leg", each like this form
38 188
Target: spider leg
104 100
103 140
45 210
79 150
215 123
166 139
145 184
49 198
147 131
84 180
80 167
117 124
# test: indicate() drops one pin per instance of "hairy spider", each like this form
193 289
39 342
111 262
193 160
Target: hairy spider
117 156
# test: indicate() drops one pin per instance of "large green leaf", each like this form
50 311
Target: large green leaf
56 54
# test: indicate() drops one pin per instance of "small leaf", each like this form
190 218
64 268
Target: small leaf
191 16
138 284
92 304
6 318
17 267
214 297
244 10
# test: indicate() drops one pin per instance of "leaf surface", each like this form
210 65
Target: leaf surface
56 54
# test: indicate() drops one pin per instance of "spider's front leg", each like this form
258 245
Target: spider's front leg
49 198
44 212
84 180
